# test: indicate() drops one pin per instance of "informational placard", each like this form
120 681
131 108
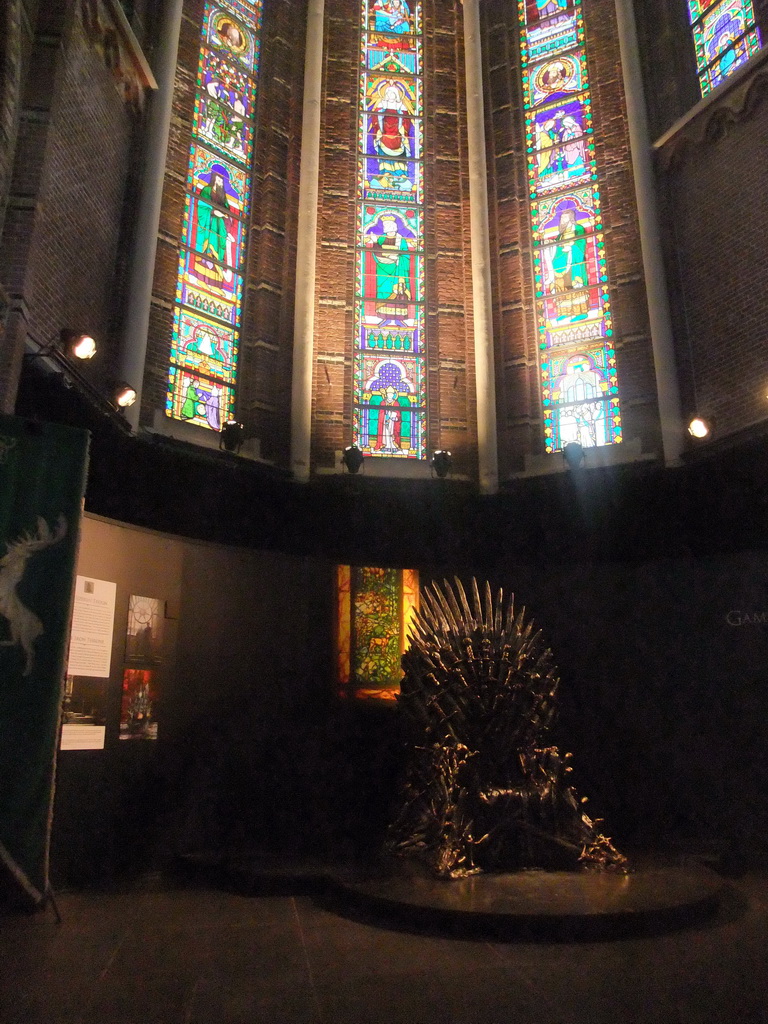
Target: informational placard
93 620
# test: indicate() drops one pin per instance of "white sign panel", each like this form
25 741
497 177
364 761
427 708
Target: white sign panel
93 620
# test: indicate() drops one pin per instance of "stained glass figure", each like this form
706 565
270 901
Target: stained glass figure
390 394
374 610
209 290
724 36
579 387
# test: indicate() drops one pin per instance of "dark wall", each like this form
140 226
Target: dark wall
664 692
711 175
664 702
710 168
245 647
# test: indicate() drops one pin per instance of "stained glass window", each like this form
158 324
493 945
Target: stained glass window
579 386
374 610
725 37
389 375
209 288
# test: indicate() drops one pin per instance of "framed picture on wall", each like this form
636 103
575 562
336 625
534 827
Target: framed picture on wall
138 709
144 634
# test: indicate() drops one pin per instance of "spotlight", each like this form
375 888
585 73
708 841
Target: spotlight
68 344
573 454
77 344
700 428
441 463
123 395
232 436
353 459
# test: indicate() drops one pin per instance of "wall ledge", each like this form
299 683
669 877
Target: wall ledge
734 100
108 31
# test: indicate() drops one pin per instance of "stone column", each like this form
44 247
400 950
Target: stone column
650 238
306 247
485 376
133 350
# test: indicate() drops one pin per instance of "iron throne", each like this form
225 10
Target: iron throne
482 791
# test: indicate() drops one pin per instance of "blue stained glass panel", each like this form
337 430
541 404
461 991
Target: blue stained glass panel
390 227
390 418
725 37
383 179
398 17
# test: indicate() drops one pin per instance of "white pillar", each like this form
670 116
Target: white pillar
133 350
481 255
650 238
306 247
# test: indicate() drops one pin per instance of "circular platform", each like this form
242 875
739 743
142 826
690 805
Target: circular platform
552 905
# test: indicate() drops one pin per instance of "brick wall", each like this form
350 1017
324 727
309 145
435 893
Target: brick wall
17 19
717 225
450 375
63 228
267 336
520 426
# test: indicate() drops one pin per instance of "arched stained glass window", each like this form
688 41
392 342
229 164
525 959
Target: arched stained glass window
374 610
725 37
389 362
209 289
579 386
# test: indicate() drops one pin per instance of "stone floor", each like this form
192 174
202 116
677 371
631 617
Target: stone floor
179 953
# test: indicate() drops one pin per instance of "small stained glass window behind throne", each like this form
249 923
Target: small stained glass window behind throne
374 610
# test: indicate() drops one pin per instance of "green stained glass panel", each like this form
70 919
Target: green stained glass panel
204 346
195 399
213 177
376 627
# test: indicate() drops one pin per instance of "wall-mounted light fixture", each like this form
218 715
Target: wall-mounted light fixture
232 436
353 459
699 427
63 355
77 344
67 344
123 395
441 463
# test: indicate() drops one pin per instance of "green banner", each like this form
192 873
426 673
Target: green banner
42 482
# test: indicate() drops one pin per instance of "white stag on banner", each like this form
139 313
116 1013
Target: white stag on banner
24 625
